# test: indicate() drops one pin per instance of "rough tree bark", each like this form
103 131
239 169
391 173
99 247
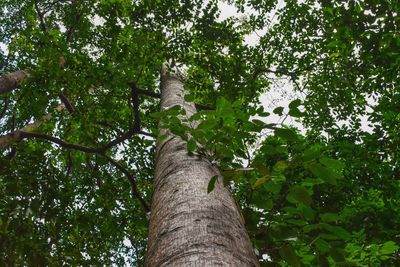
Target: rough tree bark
188 226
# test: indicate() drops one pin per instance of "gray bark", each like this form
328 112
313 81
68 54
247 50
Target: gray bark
11 81
188 226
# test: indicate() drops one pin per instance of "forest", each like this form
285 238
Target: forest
176 133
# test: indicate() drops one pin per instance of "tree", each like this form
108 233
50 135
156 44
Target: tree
189 225
79 120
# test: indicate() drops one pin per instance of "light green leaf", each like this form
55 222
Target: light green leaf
389 247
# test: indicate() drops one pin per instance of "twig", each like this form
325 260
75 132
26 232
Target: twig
42 24
131 178
71 109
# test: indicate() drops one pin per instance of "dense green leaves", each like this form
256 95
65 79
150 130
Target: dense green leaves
323 195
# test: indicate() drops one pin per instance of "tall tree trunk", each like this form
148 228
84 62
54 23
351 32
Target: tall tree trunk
11 81
188 226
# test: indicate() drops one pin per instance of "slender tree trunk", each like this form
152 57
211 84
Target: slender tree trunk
11 81
188 226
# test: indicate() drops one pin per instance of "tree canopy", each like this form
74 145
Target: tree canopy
79 110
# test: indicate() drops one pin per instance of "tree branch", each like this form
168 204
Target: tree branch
11 81
71 109
42 24
131 178
135 107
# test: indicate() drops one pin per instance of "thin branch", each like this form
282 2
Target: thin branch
144 92
202 107
71 30
71 109
23 135
50 6
70 165
147 134
42 24
131 178
135 107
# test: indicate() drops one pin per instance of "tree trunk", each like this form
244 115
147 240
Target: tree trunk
11 81
188 226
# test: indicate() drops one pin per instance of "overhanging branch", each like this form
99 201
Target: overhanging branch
132 181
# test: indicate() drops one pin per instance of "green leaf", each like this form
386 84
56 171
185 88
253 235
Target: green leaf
286 134
330 217
260 181
207 124
289 255
312 153
389 247
323 173
338 231
295 103
307 212
336 166
295 112
280 166
189 98
299 194
191 145
211 184
322 245
278 110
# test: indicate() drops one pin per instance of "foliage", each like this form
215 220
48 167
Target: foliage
325 195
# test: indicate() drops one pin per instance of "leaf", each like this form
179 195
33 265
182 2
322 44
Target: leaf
323 173
299 194
289 255
278 110
261 168
272 187
191 145
312 153
189 98
295 112
295 103
260 181
207 124
307 212
162 137
322 245
336 166
330 217
280 166
211 184
389 247
286 134
338 231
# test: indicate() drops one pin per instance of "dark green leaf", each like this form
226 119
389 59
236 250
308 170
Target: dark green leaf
289 255
299 194
211 184
278 110
286 134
